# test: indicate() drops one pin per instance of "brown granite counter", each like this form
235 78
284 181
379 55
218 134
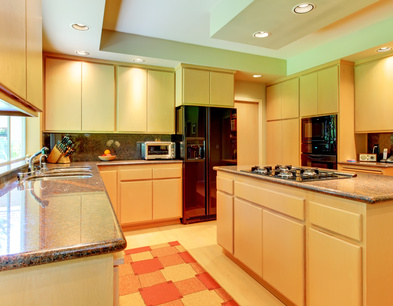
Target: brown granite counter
368 164
56 220
368 188
138 162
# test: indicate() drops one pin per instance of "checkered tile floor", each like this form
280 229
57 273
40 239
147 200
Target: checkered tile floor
167 274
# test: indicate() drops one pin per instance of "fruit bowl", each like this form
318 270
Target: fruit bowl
106 158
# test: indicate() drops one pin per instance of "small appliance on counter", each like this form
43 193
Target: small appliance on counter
158 150
364 157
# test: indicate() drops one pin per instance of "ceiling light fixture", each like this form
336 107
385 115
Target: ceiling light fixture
81 52
138 60
384 49
80 26
257 76
261 34
303 8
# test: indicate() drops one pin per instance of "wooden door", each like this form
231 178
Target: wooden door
131 100
63 85
167 199
196 87
290 142
328 90
160 102
136 201
273 102
290 99
247 114
248 234
308 94
283 255
225 220
334 271
98 97
273 143
221 89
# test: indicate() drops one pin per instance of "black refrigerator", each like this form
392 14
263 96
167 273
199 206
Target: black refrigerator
205 137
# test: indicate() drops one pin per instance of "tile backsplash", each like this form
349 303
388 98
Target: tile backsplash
89 146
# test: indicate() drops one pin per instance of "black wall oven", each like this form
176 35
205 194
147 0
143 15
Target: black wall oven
319 142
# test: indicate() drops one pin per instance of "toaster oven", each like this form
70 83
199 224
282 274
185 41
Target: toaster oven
158 150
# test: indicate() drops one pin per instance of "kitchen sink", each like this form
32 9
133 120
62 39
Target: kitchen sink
58 175
68 169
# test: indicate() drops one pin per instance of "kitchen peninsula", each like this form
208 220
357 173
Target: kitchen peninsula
310 243
59 241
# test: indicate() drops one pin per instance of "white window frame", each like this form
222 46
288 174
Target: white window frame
9 161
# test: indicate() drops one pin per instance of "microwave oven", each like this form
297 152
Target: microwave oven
158 150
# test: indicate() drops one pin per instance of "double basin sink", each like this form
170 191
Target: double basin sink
56 173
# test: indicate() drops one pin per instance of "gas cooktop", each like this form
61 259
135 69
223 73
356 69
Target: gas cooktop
299 174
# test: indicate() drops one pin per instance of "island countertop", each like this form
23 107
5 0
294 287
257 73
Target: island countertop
368 188
56 220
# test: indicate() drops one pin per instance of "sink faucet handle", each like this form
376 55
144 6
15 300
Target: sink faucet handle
43 167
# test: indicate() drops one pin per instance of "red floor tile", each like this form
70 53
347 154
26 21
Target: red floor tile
137 250
159 294
187 257
146 266
171 260
174 243
128 284
165 251
189 286
209 282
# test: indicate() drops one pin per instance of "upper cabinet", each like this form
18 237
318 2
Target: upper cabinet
373 96
21 54
319 92
283 100
79 96
204 86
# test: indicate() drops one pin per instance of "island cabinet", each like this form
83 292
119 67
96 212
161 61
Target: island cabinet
145 194
204 86
21 53
282 100
79 96
373 95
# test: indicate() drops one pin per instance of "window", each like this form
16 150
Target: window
12 138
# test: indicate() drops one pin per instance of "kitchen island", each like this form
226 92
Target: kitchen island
59 241
310 243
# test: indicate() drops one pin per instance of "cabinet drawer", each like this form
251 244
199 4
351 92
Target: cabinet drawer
225 185
161 173
362 170
289 205
135 174
336 220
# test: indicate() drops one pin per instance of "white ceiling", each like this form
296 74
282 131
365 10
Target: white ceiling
167 32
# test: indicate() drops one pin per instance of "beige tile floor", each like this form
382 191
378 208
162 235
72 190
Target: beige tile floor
200 241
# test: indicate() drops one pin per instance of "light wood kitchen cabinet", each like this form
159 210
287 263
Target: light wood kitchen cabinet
334 270
203 86
283 142
21 52
160 102
79 96
248 234
109 176
366 169
167 191
282 100
373 96
319 92
225 220
283 255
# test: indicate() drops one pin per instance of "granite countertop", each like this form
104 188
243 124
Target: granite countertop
138 162
368 164
56 220
367 188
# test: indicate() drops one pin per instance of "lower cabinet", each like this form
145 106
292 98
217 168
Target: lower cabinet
225 220
166 198
366 169
109 176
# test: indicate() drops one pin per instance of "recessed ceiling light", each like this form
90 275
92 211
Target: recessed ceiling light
257 76
81 52
303 8
138 60
80 26
261 34
384 49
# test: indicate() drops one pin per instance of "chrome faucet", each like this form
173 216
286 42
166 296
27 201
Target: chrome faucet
43 151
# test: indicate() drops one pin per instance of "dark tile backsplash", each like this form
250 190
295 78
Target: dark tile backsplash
89 146
384 140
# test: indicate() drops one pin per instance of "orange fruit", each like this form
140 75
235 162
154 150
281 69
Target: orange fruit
107 152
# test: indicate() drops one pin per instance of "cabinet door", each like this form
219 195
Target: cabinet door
196 87
132 100
136 201
308 94
328 90
13 46
98 97
334 271
283 255
167 199
273 142
290 99
290 142
34 66
221 89
63 95
110 180
248 235
160 102
273 102
373 96
225 220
